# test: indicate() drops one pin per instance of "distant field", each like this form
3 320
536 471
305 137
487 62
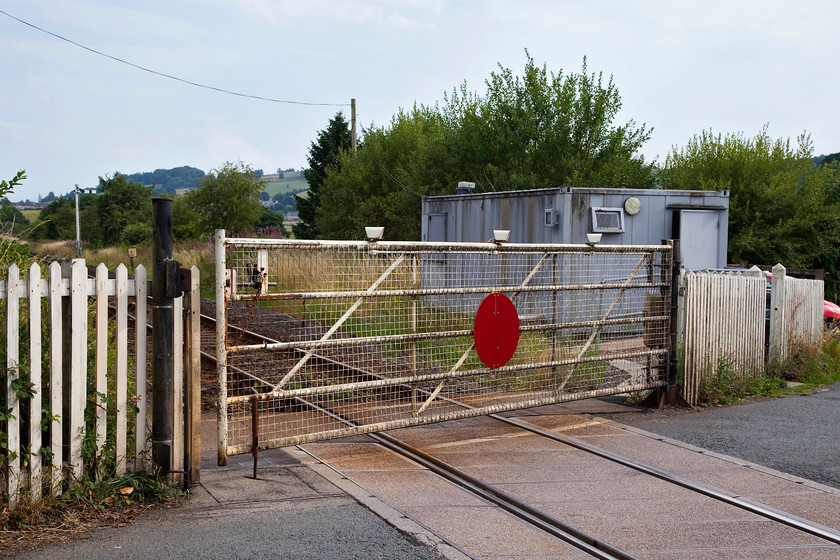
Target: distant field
31 215
285 185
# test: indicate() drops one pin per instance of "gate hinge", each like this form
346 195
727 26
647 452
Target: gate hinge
172 285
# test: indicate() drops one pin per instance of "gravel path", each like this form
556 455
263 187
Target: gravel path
799 435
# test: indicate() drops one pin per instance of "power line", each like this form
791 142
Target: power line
171 77
394 179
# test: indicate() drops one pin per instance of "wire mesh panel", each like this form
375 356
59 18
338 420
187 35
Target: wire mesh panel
366 336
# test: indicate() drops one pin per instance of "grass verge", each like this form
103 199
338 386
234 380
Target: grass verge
809 368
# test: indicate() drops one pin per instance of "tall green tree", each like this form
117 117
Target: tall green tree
119 204
59 218
323 156
228 198
382 183
782 207
546 129
538 130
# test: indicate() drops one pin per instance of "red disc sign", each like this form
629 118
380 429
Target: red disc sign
496 330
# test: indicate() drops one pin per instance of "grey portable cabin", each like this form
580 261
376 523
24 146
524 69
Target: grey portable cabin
699 219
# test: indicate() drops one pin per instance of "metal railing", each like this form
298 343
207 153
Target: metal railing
382 333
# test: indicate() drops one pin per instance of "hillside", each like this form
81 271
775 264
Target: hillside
168 181
292 182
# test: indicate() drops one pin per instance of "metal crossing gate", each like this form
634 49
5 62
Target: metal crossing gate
373 335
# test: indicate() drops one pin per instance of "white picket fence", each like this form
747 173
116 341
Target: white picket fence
723 321
796 313
62 377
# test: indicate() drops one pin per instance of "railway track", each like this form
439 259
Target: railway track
522 510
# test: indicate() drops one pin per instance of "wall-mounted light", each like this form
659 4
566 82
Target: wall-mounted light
501 235
374 233
593 238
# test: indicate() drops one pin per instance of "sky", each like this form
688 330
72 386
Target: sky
69 116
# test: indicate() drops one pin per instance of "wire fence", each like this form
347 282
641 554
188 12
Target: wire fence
368 336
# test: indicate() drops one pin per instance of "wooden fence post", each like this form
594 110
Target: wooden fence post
12 372
35 403
777 344
192 356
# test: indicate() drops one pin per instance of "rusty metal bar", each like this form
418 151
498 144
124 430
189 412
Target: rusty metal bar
255 432
441 246
453 415
547 327
338 324
461 374
597 328
440 291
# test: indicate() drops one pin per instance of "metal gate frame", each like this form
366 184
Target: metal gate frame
650 281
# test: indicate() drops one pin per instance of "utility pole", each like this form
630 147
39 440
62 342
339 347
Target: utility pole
78 229
353 123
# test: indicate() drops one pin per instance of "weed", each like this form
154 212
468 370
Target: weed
811 365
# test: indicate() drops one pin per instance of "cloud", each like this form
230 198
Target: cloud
224 146
400 14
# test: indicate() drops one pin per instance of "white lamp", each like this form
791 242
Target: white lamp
374 233
593 238
501 235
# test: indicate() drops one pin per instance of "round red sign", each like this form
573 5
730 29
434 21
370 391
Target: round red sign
496 330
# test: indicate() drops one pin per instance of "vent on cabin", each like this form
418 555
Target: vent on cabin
607 220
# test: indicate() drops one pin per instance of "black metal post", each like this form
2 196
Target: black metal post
163 320
674 313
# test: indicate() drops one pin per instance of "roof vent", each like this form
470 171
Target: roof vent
465 188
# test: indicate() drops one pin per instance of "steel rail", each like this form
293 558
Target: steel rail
569 534
522 510
709 491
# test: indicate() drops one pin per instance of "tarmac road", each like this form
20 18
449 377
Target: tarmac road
299 511
292 511
798 435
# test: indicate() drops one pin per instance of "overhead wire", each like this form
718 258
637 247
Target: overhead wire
171 77
394 179
391 177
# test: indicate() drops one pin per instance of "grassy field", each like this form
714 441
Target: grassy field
285 185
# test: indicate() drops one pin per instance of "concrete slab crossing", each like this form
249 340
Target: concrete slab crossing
646 517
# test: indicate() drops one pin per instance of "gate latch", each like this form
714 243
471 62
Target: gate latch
172 287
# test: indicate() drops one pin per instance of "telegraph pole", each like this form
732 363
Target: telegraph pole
78 229
353 123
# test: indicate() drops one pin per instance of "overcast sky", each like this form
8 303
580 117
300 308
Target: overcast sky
68 115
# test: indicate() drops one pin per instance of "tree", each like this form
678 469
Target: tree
323 157
59 218
10 250
228 198
381 184
10 215
545 129
119 204
168 181
538 130
782 207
